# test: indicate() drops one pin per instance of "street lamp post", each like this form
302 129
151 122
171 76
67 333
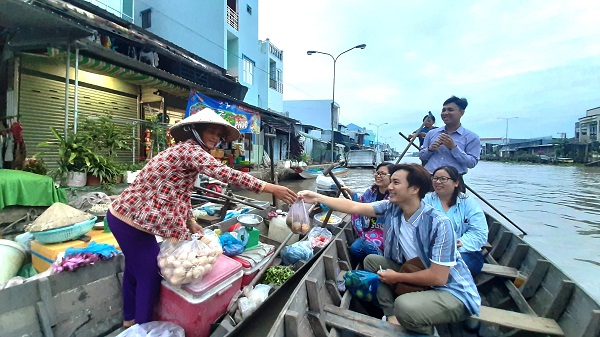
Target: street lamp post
378 125
506 131
310 52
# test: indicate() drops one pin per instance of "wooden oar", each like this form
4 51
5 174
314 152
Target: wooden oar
411 141
230 198
480 197
328 172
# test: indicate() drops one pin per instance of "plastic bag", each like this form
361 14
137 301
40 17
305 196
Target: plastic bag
154 329
188 261
232 246
296 252
362 284
319 237
297 218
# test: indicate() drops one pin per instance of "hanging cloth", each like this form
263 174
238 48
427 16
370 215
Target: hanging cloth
9 154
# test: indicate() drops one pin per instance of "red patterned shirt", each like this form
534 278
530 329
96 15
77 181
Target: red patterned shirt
158 201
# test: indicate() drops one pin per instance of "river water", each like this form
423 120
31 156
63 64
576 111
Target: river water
558 207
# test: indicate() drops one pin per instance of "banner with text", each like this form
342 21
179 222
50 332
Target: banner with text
244 119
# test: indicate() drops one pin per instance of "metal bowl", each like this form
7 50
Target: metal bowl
250 219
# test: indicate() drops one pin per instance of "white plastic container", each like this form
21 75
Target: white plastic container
12 256
278 230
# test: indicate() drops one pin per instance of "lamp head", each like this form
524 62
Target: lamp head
310 52
361 46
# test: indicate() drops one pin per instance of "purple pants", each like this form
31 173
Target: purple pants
141 278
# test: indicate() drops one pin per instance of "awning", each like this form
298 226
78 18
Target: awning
104 68
306 135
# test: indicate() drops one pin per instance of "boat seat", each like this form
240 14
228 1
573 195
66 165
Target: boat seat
517 320
498 270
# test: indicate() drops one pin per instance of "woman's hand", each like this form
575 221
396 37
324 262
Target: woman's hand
347 189
196 228
281 192
309 197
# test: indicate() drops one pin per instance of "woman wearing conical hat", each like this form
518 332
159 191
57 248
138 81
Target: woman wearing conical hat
158 203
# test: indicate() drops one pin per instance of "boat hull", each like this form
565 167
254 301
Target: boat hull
314 173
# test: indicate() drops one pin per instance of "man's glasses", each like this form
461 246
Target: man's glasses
381 174
442 180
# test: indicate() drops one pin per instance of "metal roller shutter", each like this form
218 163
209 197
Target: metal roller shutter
41 106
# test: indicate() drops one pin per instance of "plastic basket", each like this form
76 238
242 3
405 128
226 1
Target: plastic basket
65 233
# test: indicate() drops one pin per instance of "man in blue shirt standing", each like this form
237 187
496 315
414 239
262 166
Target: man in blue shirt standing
413 229
452 144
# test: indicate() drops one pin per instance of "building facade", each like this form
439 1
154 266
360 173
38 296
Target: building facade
586 128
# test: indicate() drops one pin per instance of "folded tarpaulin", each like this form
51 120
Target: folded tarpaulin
19 188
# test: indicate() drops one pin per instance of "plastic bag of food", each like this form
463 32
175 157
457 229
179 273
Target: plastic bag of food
188 261
362 284
319 237
296 252
297 218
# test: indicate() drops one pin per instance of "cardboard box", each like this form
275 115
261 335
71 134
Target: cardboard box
44 254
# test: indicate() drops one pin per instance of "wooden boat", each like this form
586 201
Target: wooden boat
88 302
548 303
363 158
314 172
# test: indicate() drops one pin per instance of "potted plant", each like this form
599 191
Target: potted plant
132 171
73 158
103 170
104 136
35 165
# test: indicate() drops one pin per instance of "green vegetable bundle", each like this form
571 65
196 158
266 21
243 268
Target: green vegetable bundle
278 275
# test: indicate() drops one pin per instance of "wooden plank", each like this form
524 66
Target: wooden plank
519 321
499 246
535 278
333 292
314 295
361 324
593 327
342 252
331 267
44 319
498 270
561 298
292 323
20 322
317 325
13 298
48 300
516 257
520 301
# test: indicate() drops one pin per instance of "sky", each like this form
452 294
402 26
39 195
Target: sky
534 60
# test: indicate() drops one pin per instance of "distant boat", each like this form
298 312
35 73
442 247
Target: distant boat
564 160
314 172
364 158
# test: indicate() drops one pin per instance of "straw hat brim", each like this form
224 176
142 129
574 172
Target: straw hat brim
203 117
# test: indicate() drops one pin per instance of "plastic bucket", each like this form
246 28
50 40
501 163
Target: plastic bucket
12 256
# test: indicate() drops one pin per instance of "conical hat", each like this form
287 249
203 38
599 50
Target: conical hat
57 216
205 116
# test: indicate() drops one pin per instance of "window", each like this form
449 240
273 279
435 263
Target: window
248 70
249 9
146 15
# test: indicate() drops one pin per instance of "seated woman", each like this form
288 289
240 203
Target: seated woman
370 229
467 216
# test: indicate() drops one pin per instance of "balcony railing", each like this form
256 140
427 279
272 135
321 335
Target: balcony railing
275 85
233 18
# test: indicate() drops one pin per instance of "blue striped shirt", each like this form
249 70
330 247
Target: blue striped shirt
436 242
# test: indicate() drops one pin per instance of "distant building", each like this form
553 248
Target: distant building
586 129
